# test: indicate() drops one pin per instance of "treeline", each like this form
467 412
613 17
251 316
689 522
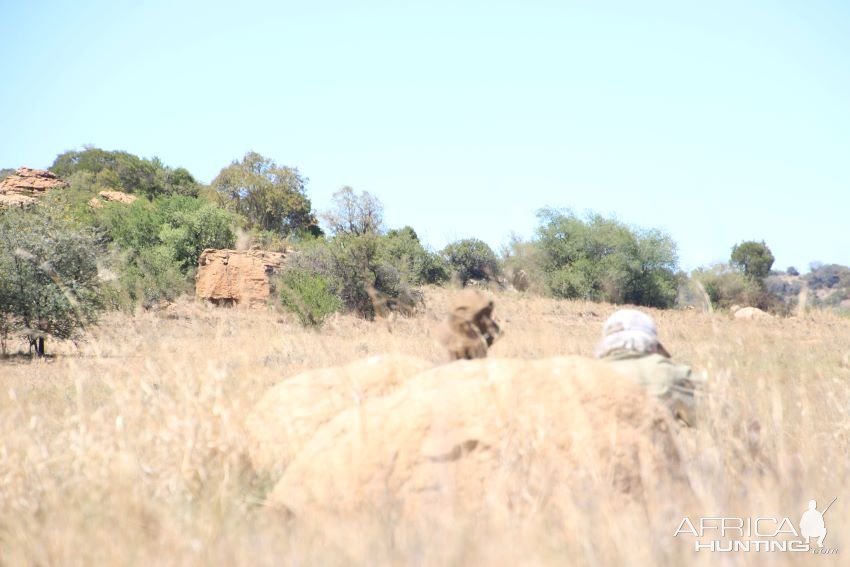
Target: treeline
66 260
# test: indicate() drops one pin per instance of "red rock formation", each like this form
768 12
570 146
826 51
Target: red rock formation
25 185
240 277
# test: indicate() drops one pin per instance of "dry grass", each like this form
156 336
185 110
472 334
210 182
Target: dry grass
129 449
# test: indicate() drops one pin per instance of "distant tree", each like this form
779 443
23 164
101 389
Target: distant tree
792 271
269 196
123 171
5 172
402 249
753 258
472 259
828 276
727 286
354 214
602 259
48 276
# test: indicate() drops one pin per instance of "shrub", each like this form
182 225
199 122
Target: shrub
126 172
524 262
156 245
401 248
472 259
151 276
601 259
355 270
308 295
726 287
48 276
364 281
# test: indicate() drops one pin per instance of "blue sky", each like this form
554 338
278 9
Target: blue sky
717 121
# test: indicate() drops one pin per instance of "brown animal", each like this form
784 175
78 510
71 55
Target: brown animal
520 280
470 328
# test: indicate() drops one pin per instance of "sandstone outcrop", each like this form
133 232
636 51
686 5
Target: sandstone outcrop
118 197
112 197
23 187
237 277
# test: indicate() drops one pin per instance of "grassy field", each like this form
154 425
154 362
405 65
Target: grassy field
129 449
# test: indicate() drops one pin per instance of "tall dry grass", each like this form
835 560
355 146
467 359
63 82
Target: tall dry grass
129 448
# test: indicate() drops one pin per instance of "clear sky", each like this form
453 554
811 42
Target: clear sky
718 121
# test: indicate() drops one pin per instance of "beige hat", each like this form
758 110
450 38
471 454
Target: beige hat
629 326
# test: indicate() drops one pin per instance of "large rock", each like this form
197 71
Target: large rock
24 186
751 313
288 416
499 442
118 197
240 277
112 197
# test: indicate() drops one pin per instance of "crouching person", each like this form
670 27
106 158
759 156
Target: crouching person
630 344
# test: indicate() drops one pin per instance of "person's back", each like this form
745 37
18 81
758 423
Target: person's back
630 344
661 377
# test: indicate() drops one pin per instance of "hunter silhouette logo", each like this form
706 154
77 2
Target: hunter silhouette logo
811 524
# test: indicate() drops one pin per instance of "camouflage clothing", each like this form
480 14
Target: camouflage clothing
670 382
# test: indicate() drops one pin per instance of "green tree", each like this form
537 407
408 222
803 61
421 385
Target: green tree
126 172
726 286
355 214
602 259
48 276
472 259
269 196
753 258
156 244
402 249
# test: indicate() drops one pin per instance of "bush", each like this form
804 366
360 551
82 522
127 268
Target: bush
126 172
402 249
726 287
602 259
48 276
356 272
828 276
472 259
524 257
308 296
156 245
364 281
